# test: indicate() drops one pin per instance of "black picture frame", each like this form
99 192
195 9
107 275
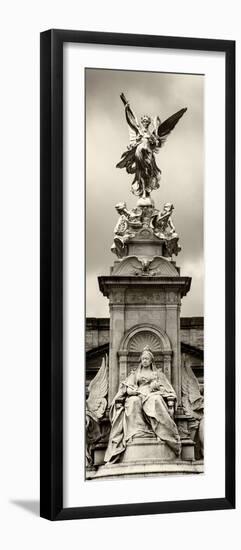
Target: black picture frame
51 323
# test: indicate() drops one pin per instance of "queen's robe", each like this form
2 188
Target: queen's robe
142 415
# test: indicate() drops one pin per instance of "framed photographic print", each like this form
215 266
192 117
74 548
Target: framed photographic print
137 274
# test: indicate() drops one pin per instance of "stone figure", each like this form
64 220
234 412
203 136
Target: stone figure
162 223
139 159
164 229
193 405
127 225
159 224
143 407
95 408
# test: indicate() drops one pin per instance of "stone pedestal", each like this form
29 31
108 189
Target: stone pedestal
145 290
148 469
145 244
143 450
144 310
188 445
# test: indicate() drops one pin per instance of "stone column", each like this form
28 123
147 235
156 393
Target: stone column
173 331
122 365
117 329
167 365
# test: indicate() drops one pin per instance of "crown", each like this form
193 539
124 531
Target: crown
147 349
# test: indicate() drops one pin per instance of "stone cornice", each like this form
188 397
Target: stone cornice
108 282
103 323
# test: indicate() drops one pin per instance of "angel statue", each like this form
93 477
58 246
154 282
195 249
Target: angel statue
139 159
95 409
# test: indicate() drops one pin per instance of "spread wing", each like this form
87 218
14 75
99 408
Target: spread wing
191 389
155 264
130 266
96 402
132 136
167 126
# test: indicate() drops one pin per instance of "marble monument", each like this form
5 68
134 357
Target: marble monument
144 410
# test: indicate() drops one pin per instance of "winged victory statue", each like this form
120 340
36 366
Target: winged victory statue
146 138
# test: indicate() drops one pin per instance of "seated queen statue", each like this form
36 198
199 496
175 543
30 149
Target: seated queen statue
143 407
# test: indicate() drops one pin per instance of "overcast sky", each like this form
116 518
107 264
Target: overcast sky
181 162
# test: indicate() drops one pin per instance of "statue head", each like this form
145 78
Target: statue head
145 121
120 207
147 357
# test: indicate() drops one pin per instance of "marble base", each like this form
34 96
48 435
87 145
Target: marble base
142 449
151 468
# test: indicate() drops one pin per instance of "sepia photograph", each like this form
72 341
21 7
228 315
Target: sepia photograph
138 275
144 253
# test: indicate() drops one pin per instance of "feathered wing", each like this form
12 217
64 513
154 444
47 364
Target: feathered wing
130 267
156 123
96 402
132 136
191 395
168 125
155 265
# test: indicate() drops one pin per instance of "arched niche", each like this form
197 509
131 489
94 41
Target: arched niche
133 343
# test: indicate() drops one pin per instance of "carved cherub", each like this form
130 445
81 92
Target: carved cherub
162 223
163 227
128 223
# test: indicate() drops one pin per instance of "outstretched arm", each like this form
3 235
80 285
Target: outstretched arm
130 115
